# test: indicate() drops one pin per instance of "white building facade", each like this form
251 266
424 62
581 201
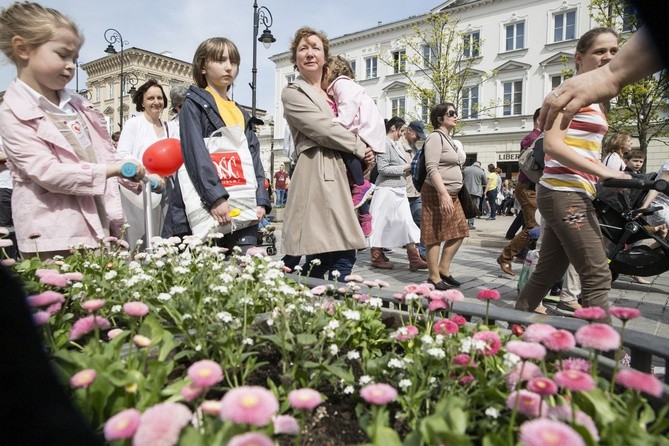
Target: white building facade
525 48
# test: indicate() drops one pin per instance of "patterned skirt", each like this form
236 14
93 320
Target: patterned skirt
436 225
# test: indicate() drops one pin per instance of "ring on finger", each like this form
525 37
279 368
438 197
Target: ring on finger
556 95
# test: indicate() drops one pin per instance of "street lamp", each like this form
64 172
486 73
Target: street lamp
260 14
112 36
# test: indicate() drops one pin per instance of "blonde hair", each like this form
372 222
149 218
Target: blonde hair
210 50
304 33
339 67
615 143
34 23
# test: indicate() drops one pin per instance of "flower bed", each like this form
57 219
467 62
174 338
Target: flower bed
184 346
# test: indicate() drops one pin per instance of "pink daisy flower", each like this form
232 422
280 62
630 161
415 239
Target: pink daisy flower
205 373
576 364
640 381
487 294
45 299
436 305
41 272
528 403
537 332
93 305
161 425
461 359
625 314
453 296
41 317
574 380
530 371
141 341
353 278
285 424
6 243
211 407
563 413
590 313
466 379
87 324
559 340
57 280
460 320
406 333
318 290
54 308
445 327
437 295
250 405
545 432
493 343
83 378
526 350
543 386
137 309
74 276
382 283
601 337
122 426
306 399
191 392
424 288
251 439
111 334
378 394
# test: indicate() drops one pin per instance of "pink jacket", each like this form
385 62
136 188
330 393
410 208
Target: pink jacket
53 188
358 113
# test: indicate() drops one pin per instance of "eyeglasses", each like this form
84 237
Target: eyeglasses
452 113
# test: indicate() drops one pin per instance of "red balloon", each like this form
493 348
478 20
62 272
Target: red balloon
163 157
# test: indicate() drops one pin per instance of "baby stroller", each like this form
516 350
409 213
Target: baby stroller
623 224
266 236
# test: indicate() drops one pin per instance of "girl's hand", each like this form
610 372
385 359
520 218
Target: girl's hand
260 212
220 211
159 180
446 202
617 174
114 170
368 159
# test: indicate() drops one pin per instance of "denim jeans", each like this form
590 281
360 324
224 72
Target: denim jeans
416 204
280 197
571 235
341 261
491 197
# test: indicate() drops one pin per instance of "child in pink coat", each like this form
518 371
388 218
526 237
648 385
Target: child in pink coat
357 112
61 157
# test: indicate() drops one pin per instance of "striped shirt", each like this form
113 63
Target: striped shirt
584 136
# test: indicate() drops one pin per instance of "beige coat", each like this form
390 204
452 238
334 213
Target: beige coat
319 213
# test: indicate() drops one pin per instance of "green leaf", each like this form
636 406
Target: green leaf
340 373
306 339
600 404
191 437
386 436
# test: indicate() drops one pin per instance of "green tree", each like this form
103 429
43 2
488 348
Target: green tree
640 108
436 60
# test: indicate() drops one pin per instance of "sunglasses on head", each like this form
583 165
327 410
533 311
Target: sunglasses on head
452 113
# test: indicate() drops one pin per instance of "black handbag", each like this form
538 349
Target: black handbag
467 204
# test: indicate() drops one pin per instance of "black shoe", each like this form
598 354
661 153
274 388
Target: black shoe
450 280
441 285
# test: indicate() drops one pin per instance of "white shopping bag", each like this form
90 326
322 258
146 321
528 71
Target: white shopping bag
230 154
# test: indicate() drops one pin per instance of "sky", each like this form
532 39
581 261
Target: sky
178 26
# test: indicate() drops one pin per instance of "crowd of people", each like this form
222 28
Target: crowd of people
350 169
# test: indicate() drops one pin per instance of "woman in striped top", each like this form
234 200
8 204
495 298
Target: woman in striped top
564 195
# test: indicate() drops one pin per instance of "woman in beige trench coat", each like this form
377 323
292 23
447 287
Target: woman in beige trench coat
319 220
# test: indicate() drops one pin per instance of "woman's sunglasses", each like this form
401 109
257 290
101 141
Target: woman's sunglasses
452 113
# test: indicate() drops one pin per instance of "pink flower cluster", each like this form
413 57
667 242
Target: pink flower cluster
545 432
445 327
640 381
487 294
253 405
492 340
378 394
87 324
205 373
136 309
305 399
161 424
601 337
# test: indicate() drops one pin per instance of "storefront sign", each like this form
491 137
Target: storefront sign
507 156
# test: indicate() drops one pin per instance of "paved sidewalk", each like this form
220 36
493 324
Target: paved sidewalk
475 267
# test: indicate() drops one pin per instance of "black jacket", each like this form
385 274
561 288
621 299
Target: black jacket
198 119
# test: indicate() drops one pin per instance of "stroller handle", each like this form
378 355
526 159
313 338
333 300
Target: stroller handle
636 183
129 170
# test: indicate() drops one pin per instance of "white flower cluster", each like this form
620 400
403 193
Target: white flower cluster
396 363
469 343
404 384
353 355
436 352
109 275
177 290
510 360
351 315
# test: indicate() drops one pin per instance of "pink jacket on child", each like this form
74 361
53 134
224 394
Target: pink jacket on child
358 113
53 188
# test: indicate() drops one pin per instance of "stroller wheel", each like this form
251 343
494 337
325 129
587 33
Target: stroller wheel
271 239
271 250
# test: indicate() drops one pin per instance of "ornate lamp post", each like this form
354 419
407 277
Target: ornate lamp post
112 36
260 14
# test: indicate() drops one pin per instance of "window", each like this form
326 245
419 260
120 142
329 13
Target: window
515 36
371 67
98 93
425 110
429 56
630 19
513 98
111 90
397 107
290 78
556 81
399 61
352 62
470 102
471 44
564 26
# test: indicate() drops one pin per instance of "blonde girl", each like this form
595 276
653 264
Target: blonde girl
58 148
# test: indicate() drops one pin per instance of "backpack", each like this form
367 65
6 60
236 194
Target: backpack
418 167
531 160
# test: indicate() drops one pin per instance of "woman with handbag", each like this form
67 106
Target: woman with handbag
210 179
443 219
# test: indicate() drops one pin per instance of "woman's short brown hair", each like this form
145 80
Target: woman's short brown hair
303 33
212 49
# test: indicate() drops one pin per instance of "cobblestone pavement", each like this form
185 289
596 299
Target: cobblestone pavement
476 268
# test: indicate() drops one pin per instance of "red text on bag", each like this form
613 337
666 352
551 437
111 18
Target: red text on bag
229 168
